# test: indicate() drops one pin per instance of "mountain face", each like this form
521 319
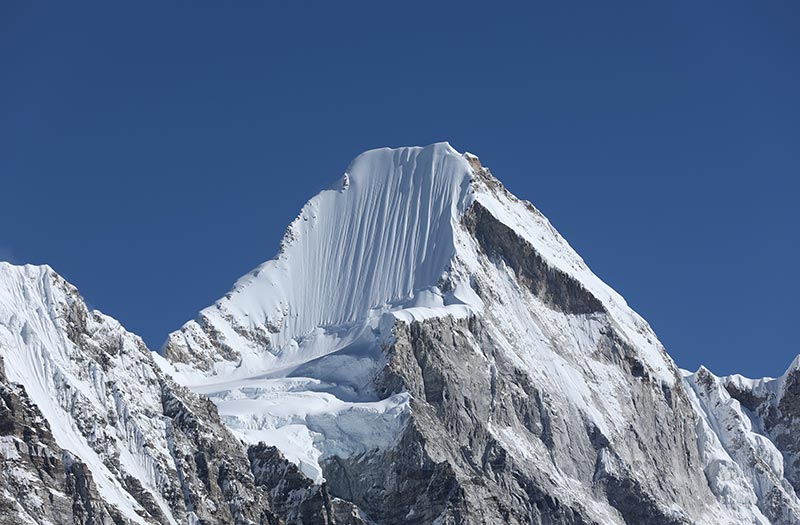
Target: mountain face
91 430
425 348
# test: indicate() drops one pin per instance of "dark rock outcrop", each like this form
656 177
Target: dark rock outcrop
553 287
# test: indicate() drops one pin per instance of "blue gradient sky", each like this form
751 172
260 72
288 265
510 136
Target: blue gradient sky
153 153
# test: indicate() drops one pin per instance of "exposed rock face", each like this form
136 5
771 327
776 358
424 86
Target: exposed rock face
784 426
499 242
214 471
488 443
295 496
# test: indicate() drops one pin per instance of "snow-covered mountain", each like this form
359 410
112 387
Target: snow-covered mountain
425 348
91 431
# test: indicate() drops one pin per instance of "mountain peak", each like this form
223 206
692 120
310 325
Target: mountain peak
378 242
26 269
794 366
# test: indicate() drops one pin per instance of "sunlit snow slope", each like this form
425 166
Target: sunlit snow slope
380 239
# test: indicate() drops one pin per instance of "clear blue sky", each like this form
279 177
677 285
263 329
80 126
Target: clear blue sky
153 152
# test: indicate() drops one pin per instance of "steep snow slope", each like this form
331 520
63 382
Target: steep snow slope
379 240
